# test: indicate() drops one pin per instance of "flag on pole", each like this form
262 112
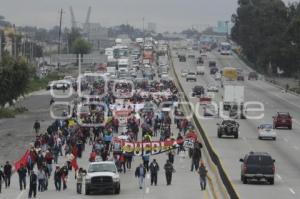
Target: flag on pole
22 161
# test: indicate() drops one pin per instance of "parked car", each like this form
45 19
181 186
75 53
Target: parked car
197 91
102 176
266 131
252 75
59 85
282 119
229 128
258 166
191 76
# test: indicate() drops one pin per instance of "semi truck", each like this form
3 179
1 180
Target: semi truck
233 100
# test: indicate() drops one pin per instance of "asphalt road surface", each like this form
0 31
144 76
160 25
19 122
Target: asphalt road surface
285 150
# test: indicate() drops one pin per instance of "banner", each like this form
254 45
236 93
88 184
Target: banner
151 148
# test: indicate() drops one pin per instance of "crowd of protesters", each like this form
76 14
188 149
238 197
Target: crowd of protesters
55 151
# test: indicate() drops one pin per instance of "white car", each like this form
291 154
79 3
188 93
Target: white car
102 176
218 77
266 131
212 88
210 111
191 76
184 72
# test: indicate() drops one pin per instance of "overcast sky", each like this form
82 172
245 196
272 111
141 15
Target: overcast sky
172 15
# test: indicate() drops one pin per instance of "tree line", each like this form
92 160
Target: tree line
268 32
14 78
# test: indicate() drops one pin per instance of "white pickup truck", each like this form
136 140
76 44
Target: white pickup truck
200 70
102 176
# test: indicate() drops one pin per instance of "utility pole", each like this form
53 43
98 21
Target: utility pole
227 29
143 27
59 37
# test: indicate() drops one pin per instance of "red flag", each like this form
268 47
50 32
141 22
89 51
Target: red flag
74 164
22 161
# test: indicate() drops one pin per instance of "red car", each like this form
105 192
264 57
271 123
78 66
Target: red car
282 119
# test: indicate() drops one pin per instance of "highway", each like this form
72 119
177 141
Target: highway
185 184
285 150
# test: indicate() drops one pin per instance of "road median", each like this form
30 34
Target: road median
219 178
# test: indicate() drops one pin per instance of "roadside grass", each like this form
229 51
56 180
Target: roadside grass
295 89
36 84
11 112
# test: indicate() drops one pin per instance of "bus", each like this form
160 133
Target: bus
225 48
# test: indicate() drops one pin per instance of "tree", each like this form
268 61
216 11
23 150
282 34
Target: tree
14 78
81 46
258 27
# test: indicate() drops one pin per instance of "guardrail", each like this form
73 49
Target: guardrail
215 163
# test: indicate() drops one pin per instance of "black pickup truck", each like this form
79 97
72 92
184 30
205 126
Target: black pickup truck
257 165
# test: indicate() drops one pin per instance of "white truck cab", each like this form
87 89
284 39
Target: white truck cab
102 176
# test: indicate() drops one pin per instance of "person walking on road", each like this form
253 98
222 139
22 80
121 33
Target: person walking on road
36 126
79 177
202 171
64 175
1 178
154 168
140 173
171 156
57 178
7 174
32 185
169 169
196 156
41 179
146 160
22 177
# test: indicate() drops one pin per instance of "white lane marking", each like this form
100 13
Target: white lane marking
279 177
20 194
147 190
296 148
285 139
292 191
287 101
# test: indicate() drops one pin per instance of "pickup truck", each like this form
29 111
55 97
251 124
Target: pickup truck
200 70
257 165
191 76
102 176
